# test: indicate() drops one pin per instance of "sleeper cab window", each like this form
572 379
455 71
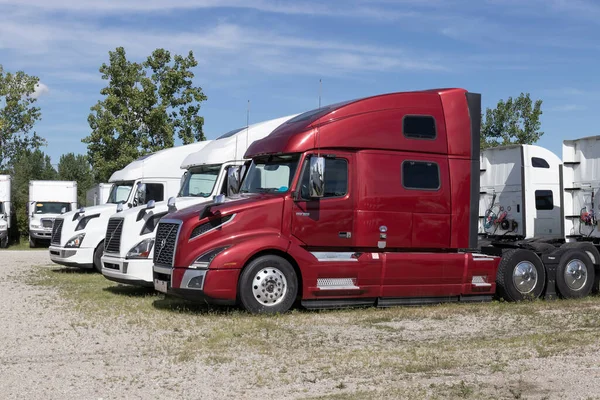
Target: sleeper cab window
419 127
544 200
420 175
336 178
537 162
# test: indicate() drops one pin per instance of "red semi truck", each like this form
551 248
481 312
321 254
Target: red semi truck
367 202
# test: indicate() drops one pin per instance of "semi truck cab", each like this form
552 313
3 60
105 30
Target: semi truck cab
5 209
366 202
211 171
78 236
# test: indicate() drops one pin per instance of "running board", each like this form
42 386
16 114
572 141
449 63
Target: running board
391 302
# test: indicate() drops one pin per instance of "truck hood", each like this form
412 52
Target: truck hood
237 202
132 227
95 228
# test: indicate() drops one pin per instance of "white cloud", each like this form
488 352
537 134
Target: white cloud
40 90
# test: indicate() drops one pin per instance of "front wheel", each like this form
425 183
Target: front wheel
98 257
268 285
31 242
4 243
521 275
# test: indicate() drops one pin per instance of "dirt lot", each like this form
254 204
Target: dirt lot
68 334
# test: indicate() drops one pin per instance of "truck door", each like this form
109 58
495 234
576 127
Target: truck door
325 222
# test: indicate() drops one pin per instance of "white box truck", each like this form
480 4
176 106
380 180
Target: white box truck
78 236
98 194
129 242
47 200
5 209
520 193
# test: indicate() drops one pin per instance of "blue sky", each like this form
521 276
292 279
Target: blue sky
273 53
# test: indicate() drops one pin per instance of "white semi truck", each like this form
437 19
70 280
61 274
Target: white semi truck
520 193
47 200
78 236
5 209
98 194
214 170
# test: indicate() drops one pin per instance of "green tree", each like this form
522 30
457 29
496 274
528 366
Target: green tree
27 166
73 167
144 106
514 121
18 115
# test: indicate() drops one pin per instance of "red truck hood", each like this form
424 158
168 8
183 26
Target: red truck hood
231 204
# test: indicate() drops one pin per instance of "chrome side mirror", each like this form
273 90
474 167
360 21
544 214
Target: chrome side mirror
316 181
233 180
171 204
219 199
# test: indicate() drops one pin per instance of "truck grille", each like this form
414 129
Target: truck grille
112 241
165 243
47 222
56 231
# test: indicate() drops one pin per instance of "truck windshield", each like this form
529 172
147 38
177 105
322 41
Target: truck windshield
120 192
51 207
270 174
200 181
1 209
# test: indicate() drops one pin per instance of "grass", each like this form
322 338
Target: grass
418 352
24 245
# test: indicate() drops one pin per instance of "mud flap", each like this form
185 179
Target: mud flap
550 264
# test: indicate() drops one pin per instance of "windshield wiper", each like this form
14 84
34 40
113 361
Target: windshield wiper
201 194
266 190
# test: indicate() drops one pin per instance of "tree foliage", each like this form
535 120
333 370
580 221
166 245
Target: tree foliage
17 116
514 121
73 167
144 107
27 166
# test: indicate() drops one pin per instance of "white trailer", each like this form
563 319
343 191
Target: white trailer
98 194
78 236
5 209
214 170
47 200
520 193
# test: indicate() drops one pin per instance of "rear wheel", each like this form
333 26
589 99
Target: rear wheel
98 257
521 275
31 242
575 274
268 285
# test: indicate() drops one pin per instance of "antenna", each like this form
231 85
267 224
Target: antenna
247 124
318 136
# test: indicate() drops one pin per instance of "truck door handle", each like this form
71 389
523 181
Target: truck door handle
345 235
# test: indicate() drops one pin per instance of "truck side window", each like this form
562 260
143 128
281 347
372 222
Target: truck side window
421 175
336 178
419 127
155 191
544 200
537 162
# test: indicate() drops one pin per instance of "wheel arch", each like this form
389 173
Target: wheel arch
284 255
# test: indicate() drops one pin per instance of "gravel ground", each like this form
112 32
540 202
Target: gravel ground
51 349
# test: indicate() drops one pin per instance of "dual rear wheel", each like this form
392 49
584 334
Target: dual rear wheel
522 275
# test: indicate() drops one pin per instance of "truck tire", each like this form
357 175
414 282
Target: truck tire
268 285
4 243
521 275
593 254
575 274
31 242
98 257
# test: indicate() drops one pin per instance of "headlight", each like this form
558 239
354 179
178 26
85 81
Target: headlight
141 250
35 226
75 241
205 259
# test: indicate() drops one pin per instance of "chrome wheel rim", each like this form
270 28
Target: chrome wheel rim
269 286
575 275
525 277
